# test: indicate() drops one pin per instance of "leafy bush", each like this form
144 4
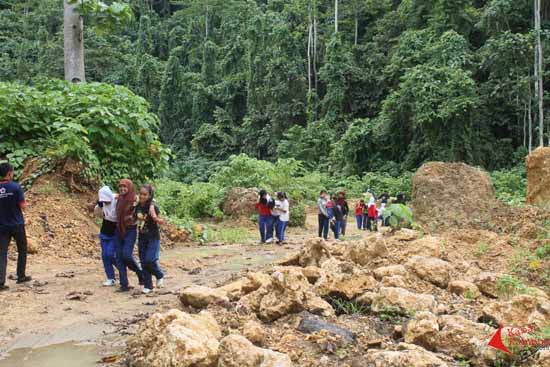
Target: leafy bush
297 215
400 216
376 181
105 127
510 185
508 286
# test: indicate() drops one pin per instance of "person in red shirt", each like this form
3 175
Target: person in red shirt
372 214
265 219
359 213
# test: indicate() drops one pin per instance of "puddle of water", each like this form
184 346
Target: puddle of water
57 355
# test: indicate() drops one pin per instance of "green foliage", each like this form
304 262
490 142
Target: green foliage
297 215
231 235
400 216
510 185
345 307
481 249
508 286
106 128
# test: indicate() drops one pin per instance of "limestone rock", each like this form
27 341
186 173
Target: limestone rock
395 281
175 339
255 281
487 283
520 311
237 351
314 253
538 177
234 290
422 329
464 288
431 269
426 246
255 332
344 279
407 355
391 270
200 297
403 301
363 252
406 235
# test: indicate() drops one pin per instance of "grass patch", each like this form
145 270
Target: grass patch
508 286
481 249
344 307
230 235
394 315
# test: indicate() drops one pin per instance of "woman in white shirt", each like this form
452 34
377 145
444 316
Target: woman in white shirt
282 209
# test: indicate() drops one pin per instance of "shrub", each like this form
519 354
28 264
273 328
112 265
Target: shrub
297 215
399 216
105 127
510 185
508 286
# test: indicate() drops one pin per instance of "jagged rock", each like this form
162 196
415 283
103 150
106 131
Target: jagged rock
314 253
200 297
395 281
312 273
311 324
464 288
422 329
366 298
388 271
343 279
487 283
234 290
288 292
255 332
519 311
402 300
363 252
431 269
175 339
408 355
255 281
459 336
237 351
426 246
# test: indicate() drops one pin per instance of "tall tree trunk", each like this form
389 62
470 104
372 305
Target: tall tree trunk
206 21
539 89
73 44
335 16
309 42
530 128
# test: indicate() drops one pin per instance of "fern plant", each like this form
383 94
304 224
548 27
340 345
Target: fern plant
399 216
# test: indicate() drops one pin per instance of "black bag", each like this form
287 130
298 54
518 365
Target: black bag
271 204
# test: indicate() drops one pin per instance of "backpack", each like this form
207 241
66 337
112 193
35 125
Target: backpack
271 204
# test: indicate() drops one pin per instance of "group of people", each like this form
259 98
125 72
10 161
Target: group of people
128 217
273 216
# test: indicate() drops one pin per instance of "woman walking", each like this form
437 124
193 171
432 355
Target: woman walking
323 215
126 234
359 213
265 220
106 208
147 215
282 208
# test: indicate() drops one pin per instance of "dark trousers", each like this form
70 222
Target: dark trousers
265 224
371 224
125 256
18 233
323 226
149 254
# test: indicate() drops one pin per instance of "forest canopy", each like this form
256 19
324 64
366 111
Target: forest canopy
387 86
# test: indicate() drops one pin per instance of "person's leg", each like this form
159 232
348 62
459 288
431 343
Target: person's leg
108 255
262 224
275 220
152 262
344 225
122 271
5 239
148 262
337 229
359 219
21 242
269 230
128 253
326 226
320 221
142 250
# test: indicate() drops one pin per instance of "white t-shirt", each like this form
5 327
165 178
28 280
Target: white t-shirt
283 210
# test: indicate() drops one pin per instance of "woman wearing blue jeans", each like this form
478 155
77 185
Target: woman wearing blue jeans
265 218
147 215
106 208
282 208
126 234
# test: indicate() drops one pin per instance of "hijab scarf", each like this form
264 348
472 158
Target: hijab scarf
125 206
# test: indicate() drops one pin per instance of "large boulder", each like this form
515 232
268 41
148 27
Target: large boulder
344 279
402 300
237 351
240 202
520 311
538 177
431 269
388 271
175 339
487 283
364 252
288 292
406 355
200 297
429 246
452 194
422 329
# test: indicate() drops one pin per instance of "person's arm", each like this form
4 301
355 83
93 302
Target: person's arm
21 198
154 214
322 207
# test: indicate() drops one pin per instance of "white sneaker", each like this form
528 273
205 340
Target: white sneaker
109 283
146 291
269 240
160 283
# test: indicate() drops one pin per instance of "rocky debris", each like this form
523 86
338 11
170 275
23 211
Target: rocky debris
520 311
538 177
460 337
234 290
255 332
426 246
288 292
388 271
364 252
175 339
402 300
314 253
422 329
255 281
464 288
312 273
487 283
451 194
77 295
310 324
344 279
240 202
543 359
200 297
406 355
431 269
237 351
65 274
397 281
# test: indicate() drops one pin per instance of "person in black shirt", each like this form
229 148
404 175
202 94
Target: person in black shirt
147 216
